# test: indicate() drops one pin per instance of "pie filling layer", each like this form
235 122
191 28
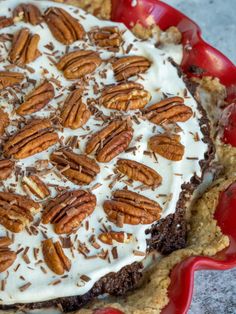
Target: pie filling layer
30 279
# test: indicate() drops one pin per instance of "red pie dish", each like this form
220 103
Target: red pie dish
105 138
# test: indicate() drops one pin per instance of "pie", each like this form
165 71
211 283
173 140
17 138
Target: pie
103 145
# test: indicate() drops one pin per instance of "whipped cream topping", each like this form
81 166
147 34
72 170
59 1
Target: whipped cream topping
160 79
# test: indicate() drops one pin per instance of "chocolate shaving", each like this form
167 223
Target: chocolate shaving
85 278
55 282
114 252
192 158
43 269
139 253
25 287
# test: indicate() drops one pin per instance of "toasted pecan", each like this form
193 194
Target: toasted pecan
55 257
37 99
140 172
111 141
74 113
78 63
8 78
5 21
111 236
27 12
7 257
4 121
24 47
132 207
67 211
32 184
167 145
33 138
5 242
168 110
124 96
16 211
64 27
129 66
6 168
77 168
108 37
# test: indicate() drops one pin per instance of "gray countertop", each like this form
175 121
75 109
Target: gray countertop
216 19
214 291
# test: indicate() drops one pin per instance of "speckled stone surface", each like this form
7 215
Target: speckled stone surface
214 291
216 19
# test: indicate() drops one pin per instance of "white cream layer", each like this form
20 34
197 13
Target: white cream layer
161 78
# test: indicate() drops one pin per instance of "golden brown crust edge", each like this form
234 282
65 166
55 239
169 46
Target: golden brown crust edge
100 8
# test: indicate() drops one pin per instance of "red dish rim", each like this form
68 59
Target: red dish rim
196 53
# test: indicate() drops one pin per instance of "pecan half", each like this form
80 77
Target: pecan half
37 99
33 138
110 141
125 96
68 210
55 257
77 168
7 257
129 66
64 27
140 172
169 110
24 47
109 237
5 21
74 113
108 37
134 208
79 63
10 78
16 211
28 13
5 242
168 146
4 121
34 185
6 168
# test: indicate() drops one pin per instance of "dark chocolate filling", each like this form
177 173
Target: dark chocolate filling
168 234
113 283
